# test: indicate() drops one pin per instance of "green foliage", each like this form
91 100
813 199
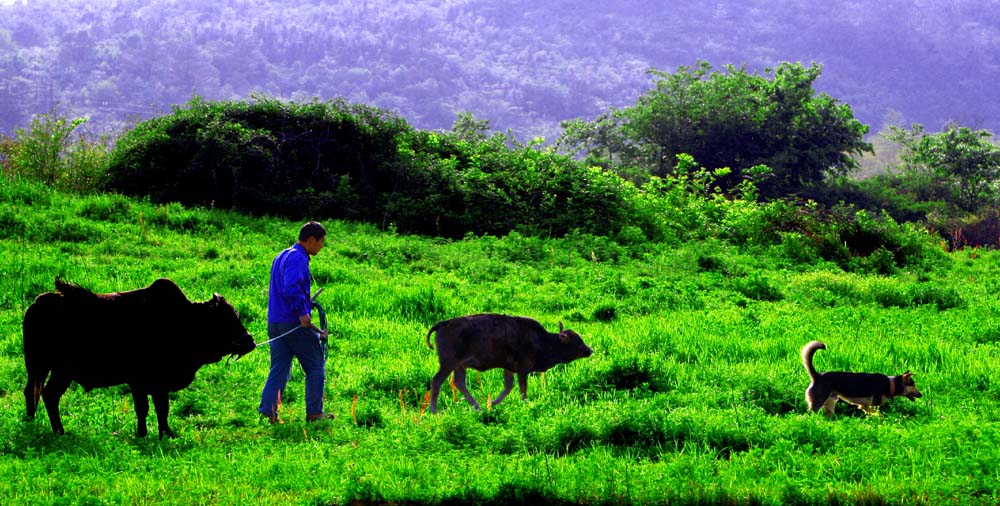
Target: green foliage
686 204
757 287
959 166
469 129
267 157
946 180
853 239
335 160
53 152
730 119
7 145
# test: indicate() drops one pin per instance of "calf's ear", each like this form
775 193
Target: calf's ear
563 336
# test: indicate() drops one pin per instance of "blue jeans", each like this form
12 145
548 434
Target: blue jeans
304 345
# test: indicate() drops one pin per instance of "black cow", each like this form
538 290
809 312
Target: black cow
517 344
152 339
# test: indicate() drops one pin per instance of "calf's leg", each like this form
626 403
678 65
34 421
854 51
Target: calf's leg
436 383
522 383
460 384
508 384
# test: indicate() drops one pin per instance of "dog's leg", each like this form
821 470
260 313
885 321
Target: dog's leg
870 410
830 405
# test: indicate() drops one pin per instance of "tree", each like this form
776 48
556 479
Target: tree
470 129
959 165
732 119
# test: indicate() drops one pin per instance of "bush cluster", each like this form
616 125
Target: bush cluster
54 151
348 161
855 240
334 160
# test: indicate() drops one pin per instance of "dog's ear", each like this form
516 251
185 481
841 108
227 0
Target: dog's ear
907 374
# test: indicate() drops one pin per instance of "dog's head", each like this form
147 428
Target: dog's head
910 387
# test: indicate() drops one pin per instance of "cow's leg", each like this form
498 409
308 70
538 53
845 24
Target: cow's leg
508 384
51 394
522 383
161 403
33 395
141 401
460 384
436 382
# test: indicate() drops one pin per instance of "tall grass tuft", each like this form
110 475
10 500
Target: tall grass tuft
422 305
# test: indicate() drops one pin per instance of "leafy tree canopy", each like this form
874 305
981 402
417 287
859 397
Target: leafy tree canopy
959 165
730 118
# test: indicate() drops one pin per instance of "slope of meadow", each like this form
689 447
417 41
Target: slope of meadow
694 394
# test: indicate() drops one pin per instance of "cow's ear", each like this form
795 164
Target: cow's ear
563 335
218 299
560 327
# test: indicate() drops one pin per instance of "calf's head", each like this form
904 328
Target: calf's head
574 347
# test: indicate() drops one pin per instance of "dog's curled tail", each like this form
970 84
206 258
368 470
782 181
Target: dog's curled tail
807 357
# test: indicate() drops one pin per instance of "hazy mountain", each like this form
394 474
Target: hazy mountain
523 65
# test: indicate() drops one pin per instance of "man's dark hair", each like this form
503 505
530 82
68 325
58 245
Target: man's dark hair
311 229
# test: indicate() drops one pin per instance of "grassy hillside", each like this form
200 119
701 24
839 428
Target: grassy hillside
694 394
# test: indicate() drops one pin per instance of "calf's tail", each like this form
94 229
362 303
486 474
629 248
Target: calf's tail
431 331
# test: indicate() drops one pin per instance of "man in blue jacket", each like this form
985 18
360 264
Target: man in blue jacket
289 313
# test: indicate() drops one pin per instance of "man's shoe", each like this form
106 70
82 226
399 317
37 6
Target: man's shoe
319 416
270 418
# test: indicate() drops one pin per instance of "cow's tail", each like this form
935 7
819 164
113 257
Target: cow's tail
36 350
431 331
807 357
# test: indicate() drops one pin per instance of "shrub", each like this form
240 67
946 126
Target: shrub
348 161
757 287
7 145
842 234
52 151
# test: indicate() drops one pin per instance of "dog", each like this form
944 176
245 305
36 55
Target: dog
867 391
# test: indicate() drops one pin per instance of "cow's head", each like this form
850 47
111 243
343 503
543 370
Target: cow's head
228 335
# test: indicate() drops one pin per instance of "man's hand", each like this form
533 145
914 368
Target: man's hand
306 321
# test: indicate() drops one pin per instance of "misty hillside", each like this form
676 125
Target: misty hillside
523 65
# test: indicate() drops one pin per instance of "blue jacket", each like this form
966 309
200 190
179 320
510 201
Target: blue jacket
288 295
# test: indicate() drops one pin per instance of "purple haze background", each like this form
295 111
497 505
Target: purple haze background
523 65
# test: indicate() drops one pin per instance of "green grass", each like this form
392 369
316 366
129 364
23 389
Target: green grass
694 394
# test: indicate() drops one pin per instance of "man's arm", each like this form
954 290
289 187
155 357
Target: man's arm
296 288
